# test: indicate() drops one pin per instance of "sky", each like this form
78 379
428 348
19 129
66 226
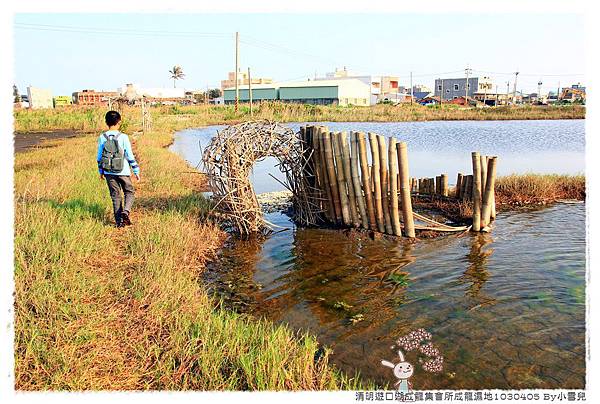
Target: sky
70 52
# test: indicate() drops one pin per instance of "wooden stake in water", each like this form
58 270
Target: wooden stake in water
355 172
483 164
444 183
458 188
376 174
341 181
332 177
393 163
385 184
476 192
324 175
366 179
489 192
348 179
407 213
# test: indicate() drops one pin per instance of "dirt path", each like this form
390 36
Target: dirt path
26 141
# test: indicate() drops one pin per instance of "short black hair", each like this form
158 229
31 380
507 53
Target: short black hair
112 118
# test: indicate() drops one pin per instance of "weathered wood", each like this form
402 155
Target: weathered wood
335 193
366 180
358 194
467 188
376 175
438 185
476 191
340 176
348 179
393 165
488 200
326 186
458 188
385 183
407 213
444 182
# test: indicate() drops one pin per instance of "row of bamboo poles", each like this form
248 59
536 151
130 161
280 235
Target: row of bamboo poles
478 188
431 186
353 193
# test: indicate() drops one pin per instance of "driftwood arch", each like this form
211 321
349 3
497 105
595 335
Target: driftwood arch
229 159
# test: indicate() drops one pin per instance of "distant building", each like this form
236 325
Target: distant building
382 87
93 97
455 88
320 92
243 80
39 98
62 101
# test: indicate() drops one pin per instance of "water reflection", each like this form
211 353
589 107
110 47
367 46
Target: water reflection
477 274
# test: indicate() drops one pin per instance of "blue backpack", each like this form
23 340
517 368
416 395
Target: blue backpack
113 155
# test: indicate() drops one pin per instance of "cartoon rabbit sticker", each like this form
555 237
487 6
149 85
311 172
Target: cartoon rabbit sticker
403 371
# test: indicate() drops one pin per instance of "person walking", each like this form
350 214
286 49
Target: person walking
115 162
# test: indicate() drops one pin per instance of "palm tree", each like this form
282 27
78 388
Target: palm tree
176 74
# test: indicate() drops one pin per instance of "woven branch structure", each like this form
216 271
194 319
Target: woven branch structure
229 159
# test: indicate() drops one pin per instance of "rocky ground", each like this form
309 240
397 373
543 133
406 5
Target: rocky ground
274 201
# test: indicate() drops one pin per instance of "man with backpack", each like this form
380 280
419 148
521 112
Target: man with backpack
114 160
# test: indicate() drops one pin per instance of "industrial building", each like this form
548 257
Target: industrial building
319 92
39 98
243 80
93 97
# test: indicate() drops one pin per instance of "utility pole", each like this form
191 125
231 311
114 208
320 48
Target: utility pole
496 96
206 95
558 92
507 91
237 58
250 90
411 89
540 91
515 89
441 91
467 71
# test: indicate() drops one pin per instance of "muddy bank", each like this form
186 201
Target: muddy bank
26 141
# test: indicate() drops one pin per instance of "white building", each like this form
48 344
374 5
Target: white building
134 90
39 98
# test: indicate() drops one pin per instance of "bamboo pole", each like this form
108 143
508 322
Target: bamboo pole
341 181
483 164
335 194
476 191
407 213
324 175
393 163
366 179
457 189
438 185
468 188
343 137
444 182
376 175
385 183
489 192
355 172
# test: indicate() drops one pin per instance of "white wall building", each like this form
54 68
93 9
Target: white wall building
39 98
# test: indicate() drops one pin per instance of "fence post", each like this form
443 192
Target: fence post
476 192
393 162
366 179
385 183
376 175
348 179
358 195
341 182
407 213
489 191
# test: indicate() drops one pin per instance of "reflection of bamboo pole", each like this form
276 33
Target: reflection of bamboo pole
457 189
358 195
407 213
341 181
476 191
385 183
489 192
366 179
335 194
348 179
444 182
376 175
393 163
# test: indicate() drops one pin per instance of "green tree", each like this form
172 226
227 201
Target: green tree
16 94
176 74
214 93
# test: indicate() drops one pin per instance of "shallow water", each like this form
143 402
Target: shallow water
506 309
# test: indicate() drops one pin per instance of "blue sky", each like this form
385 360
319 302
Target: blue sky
549 47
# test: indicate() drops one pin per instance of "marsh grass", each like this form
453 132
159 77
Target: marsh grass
522 189
178 117
124 309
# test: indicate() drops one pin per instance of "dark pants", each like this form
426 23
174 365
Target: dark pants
116 185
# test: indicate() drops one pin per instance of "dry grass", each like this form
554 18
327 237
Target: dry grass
527 189
124 309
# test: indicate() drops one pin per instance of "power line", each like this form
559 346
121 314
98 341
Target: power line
119 31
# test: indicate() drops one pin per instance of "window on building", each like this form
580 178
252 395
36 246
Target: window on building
447 90
456 87
439 87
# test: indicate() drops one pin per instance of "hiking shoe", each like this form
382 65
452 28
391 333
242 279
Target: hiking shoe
125 219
